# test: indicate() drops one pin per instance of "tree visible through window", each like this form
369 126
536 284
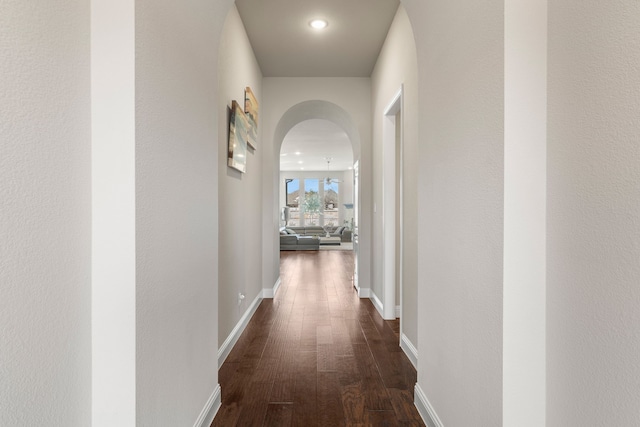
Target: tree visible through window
312 205
331 211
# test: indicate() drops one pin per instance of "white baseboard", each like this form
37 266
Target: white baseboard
377 303
233 337
410 350
397 311
425 409
271 293
364 292
210 410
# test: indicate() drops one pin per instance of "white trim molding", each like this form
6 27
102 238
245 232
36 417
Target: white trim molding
364 292
377 303
425 409
410 350
233 337
210 409
271 293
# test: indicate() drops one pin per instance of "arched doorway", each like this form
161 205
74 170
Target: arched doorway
328 116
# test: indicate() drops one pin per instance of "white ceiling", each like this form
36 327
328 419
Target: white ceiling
316 140
286 46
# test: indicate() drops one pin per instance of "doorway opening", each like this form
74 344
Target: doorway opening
324 174
392 209
316 185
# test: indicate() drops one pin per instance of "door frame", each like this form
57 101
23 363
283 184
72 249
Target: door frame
392 153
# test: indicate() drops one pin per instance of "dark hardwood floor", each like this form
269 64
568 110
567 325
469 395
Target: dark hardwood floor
317 355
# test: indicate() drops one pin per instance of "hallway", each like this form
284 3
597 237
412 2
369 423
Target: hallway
317 355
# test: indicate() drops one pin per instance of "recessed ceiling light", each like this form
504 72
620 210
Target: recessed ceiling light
319 24
300 162
298 153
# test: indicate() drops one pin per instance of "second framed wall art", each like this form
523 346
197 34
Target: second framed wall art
238 137
251 111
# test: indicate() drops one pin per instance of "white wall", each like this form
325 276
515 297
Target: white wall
113 239
347 192
240 195
280 94
593 304
45 214
525 143
176 209
460 192
397 66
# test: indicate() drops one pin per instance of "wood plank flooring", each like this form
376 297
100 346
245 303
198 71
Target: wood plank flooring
317 355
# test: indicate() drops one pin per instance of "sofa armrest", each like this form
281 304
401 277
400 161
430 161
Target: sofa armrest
289 239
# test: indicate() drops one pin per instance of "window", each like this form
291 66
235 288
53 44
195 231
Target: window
313 201
292 190
331 200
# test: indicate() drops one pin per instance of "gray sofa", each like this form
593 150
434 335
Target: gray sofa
311 230
298 242
343 233
314 230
